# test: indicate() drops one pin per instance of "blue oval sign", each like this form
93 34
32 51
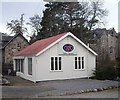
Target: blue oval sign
68 47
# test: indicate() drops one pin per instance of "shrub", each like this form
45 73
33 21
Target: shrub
105 71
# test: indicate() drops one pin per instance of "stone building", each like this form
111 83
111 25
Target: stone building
118 45
105 44
16 43
11 45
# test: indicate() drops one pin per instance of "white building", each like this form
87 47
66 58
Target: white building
60 57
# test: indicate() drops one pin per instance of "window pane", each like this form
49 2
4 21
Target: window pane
17 65
22 61
75 62
75 58
30 66
52 63
79 62
59 63
56 64
82 62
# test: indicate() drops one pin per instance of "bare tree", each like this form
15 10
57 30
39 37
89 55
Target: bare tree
17 26
96 14
35 25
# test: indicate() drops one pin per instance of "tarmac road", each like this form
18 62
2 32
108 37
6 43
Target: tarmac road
55 87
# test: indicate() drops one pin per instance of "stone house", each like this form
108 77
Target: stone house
118 44
0 51
105 44
11 45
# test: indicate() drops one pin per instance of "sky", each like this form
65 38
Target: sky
12 9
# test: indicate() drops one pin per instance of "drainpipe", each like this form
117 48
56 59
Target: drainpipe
87 60
35 60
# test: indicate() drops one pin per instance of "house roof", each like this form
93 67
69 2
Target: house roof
11 38
42 45
5 40
38 46
99 32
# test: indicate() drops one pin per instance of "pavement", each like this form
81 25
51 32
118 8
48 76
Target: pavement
59 87
112 94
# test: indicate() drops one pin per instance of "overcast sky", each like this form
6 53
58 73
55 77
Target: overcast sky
12 9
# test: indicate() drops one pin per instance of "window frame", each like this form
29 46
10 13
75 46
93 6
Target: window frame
19 65
80 61
31 69
22 65
56 60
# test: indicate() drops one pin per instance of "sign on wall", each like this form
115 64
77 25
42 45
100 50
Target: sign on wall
67 48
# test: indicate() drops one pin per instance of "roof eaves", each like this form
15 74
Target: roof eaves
87 47
52 44
61 38
15 37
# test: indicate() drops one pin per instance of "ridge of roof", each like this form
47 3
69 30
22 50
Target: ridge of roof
14 37
39 45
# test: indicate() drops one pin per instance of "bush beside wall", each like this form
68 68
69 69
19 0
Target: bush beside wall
106 70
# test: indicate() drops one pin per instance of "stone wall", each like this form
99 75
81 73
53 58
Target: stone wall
0 53
118 45
17 44
106 45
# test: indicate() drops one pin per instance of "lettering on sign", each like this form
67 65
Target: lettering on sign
68 47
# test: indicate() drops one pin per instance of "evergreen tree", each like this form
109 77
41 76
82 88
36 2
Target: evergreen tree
78 18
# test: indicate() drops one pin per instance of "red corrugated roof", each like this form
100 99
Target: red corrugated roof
39 45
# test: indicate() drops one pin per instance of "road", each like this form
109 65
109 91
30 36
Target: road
42 89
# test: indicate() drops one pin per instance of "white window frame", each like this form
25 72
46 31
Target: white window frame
31 66
82 63
18 64
59 60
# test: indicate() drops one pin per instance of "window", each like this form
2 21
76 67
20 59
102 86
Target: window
79 62
22 63
75 62
82 62
30 66
18 46
52 63
55 63
111 49
59 63
19 63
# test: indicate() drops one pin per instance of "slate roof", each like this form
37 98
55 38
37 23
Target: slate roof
39 45
99 32
6 39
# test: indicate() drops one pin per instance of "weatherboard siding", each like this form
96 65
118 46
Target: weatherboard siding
43 63
41 69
